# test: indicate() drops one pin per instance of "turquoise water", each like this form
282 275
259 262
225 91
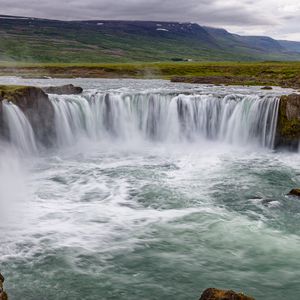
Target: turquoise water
115 220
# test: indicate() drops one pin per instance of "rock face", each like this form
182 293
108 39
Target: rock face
36 106
288 126
3 295
68 89
216 294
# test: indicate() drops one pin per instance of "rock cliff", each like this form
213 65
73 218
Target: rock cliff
36 105
288 125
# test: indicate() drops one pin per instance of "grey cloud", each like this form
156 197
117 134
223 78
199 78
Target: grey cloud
246 15
203 12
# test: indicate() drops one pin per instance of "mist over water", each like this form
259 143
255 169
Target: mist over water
153 191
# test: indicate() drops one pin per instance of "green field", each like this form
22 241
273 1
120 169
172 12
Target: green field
285 74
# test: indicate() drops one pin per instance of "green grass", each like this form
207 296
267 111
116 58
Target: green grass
267 70
9 92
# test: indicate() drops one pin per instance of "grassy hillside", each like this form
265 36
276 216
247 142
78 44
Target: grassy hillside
50 41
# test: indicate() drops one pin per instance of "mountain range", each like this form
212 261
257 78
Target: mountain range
26 39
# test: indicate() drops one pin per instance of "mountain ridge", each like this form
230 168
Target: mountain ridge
27 39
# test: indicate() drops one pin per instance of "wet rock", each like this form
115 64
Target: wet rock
68 89
267 88
3 295
36 106
288 126
216 294
294 192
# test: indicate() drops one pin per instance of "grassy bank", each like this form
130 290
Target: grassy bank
263 73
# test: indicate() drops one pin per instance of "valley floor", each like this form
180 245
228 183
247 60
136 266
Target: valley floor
284 74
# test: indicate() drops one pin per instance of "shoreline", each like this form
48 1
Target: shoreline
282 74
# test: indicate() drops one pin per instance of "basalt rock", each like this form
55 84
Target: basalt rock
267 88
36 106
288 126
3 295
68 89
216 294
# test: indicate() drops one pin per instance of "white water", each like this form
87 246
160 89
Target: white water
235 119
20 131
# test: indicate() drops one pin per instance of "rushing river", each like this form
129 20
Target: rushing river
153 191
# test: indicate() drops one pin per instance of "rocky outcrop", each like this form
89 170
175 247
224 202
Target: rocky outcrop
288 126
36 106
216 294
68 89
294 192
3 295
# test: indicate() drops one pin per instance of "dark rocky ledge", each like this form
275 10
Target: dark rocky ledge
3 295
68 89
216 294
288 125
36 106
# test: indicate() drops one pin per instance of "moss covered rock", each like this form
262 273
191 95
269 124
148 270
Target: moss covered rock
36 106
288 126
216 294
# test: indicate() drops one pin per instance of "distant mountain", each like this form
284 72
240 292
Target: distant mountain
41 40
258 44
290 46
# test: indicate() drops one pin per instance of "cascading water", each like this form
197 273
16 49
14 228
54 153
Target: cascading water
20 131
141 206
236 119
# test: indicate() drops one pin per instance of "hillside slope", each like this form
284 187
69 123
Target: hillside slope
40 40
290 46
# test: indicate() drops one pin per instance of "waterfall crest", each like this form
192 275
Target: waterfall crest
156 117
235 119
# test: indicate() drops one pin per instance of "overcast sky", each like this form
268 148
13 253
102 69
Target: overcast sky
276 18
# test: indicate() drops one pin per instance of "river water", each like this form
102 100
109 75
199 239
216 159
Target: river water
153 190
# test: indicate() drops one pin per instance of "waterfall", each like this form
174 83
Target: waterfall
235 119
20 131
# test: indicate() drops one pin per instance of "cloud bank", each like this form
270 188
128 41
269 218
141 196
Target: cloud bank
279 19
